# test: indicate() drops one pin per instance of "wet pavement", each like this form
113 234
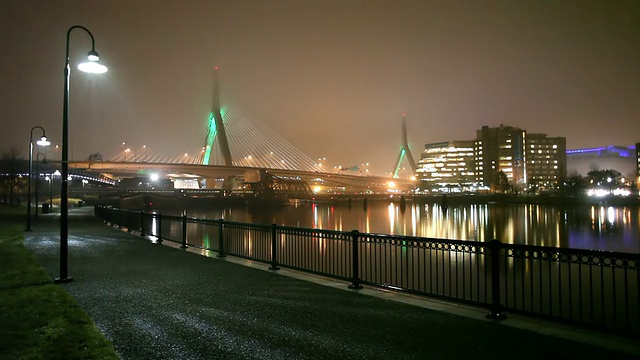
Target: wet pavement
160 302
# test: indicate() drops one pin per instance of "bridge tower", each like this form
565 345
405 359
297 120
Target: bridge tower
216 132
404 151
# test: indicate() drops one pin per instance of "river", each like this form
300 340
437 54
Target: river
596 227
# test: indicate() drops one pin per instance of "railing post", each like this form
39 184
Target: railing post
159 229
355 281
184 232
141 222
495 307
221 239
274 255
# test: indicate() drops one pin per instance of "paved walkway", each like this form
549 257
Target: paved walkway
160 302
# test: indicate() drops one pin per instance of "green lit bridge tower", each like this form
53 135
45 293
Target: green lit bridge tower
404 151
216 132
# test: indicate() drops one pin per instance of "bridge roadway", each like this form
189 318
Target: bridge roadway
351 183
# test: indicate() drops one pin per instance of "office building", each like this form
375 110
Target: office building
500 149
546 161
447 167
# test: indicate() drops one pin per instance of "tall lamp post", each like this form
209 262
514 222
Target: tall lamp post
42 142
44 160
94 67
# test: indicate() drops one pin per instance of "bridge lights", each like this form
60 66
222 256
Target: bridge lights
92 66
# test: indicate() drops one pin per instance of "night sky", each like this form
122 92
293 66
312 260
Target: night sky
331 77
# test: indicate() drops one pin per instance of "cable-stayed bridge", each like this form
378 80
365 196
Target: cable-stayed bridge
233 152
251 144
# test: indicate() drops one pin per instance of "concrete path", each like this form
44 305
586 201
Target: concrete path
160 302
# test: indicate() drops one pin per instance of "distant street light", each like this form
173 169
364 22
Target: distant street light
94 67
42 142
44 160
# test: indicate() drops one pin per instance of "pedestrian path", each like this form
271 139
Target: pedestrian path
160 302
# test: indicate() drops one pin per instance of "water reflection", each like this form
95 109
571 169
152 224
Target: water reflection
586 227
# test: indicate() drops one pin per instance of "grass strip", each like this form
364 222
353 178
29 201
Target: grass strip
39 320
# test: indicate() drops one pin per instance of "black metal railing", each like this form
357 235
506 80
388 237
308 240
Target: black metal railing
599 289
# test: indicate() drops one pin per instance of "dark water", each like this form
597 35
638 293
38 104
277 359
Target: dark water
580 227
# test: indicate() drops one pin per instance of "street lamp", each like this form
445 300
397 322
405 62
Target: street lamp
42 142
44 160
94 67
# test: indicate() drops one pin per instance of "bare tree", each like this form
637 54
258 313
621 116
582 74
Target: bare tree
10 178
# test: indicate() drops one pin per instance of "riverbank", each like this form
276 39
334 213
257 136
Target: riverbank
158 301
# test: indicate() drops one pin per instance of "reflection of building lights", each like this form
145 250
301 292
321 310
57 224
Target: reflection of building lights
611 215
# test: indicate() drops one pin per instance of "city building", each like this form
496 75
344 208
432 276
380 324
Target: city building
500 149
447 167
546 161
499 159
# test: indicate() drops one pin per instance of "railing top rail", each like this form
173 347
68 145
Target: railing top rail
571 251
284 228
425 239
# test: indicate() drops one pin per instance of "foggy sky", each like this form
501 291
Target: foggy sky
331 77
